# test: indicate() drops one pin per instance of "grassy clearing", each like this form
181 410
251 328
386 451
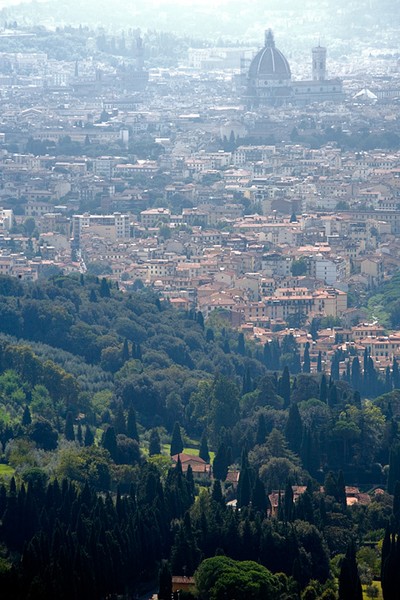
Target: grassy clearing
376 585
6 471
189 450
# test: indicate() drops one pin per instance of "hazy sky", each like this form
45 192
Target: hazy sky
208 3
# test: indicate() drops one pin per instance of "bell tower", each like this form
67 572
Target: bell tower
319 63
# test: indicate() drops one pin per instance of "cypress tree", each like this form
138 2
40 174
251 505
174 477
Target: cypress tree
259 499
396 501
294 429
394 466
92 296
216 492
335 375
221 462
341 489
267 356
125 351
89 437
165 582
319 362
323 389
349 579
241 348
395 374
357 399
209 335
306 359
190 480
388 380
386 545
310 452
332 396
176 440
69 427
226 346
391 574
200 319
288 503
104 288
203 451
131 426
154 443
119 420
261 430
26 417
356 374
109 442
247 385
285 386
244 488
79 435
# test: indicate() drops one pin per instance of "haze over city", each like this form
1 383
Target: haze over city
200 300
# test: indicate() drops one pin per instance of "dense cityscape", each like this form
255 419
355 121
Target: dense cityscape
200 303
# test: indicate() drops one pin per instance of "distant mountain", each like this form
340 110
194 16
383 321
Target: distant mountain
207 19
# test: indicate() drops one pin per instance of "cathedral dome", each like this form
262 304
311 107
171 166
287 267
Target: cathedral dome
269 63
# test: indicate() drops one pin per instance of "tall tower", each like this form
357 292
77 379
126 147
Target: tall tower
319 63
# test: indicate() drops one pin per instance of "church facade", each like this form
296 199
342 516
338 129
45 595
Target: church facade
269 79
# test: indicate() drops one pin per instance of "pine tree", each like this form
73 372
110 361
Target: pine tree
69 427
203 451
176 441
294 429
154 443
